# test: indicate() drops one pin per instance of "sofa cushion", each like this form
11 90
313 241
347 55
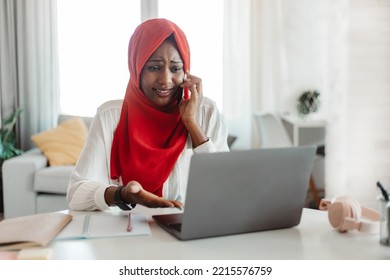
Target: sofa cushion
53 179
63 144
51 202
64 118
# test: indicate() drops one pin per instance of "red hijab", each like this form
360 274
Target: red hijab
148 141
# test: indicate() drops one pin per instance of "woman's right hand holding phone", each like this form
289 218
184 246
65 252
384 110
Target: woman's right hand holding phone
189 108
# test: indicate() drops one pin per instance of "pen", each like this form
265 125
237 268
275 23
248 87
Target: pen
87 220
383 191
129 226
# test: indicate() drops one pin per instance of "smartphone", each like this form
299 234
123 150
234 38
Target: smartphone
186 93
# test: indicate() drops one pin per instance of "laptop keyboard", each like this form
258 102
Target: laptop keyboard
177 227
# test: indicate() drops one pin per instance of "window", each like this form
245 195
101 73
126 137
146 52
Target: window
93 37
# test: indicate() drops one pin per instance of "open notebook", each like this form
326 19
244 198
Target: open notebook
243 191
103 224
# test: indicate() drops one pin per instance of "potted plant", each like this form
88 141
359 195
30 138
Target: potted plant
308 102
8 147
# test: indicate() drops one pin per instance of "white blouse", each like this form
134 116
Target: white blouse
91 175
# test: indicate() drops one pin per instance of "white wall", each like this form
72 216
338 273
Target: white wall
305 37
359 131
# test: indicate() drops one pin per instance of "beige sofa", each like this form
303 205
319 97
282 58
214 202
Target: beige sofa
31 186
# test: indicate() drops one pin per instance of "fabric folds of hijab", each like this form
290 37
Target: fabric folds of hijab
148 140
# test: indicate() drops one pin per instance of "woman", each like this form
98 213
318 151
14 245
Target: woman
138 150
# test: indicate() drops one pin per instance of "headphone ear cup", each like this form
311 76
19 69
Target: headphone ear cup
336 214
343 212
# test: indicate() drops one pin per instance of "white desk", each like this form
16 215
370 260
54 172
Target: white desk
314 238
304 131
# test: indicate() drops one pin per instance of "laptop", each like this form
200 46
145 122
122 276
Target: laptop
242 191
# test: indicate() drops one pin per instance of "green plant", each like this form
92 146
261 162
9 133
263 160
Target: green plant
308 102
8 147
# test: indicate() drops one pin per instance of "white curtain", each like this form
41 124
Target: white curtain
29 64
358 134
254 65
8 81
237 92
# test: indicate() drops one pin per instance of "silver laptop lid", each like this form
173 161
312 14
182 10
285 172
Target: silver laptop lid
244 191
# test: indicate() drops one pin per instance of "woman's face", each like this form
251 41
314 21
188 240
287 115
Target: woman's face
162 75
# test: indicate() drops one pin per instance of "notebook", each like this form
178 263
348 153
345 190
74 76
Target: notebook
103 224
36 230
242 191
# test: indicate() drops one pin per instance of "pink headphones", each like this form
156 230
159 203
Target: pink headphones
345 213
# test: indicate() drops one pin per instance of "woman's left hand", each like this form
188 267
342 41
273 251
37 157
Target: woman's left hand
135 193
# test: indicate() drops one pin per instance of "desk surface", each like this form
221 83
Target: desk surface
313 238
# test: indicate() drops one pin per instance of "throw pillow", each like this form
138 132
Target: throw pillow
62 145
